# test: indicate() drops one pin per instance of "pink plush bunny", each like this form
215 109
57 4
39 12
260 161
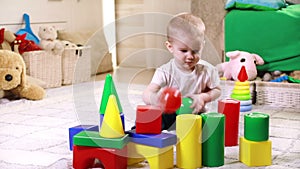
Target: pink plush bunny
231 69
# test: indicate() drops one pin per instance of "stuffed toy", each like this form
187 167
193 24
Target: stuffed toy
21 45
67 44
268 76
231 69
49 41
294 76
6 38
14 79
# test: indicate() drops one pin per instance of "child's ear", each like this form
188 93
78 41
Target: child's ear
169 46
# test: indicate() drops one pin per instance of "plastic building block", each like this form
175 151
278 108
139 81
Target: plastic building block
77 129
112 126
109 89
155 140
231 109
242 76
255 154
158 158
148 119
131 161
213 139
122 119
189 147
170 100
84 157
185 106
256 126
93 139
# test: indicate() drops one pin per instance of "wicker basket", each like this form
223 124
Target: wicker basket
45 66
285 95
76 65
227 87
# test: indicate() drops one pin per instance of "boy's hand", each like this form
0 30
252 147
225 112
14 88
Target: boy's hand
198 103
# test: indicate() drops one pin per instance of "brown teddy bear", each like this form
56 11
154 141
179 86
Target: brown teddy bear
13 77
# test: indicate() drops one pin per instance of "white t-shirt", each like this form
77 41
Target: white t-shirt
204 76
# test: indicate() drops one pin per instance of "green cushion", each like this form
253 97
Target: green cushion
264 5
274 35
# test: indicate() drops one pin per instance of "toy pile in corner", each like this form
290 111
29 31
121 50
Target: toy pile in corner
16 44
24 40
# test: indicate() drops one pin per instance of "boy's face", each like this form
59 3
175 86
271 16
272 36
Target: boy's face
186 55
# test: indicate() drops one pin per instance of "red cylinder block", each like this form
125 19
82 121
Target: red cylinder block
231 109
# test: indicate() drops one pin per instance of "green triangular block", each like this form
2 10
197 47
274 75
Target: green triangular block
109 89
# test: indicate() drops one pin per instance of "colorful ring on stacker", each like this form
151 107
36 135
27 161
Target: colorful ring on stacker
241 91
245 102
241 87
245 108
245 83
241 97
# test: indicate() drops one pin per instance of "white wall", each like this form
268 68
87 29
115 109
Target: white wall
72 15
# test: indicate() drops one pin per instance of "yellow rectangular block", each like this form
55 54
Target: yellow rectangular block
134 160
158 158
254 153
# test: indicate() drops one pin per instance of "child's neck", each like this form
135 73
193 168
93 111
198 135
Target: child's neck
183 69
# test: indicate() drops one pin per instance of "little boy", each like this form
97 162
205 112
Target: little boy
194 78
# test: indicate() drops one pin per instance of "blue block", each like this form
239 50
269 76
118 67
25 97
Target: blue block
122 119
154 140
77 129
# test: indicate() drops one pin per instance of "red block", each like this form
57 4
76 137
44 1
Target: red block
148 119
84 157
231 109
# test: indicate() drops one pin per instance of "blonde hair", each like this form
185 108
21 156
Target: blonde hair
186 25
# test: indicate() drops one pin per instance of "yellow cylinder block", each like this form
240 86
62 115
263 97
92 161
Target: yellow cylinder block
189 147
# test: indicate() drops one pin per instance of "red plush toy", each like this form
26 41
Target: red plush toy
21 45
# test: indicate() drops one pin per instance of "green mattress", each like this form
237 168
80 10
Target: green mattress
274 35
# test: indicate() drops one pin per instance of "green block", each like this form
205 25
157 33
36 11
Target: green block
213 139
93 139
109 89
256 126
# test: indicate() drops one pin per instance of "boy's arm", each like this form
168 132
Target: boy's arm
151 94
211 95
199 100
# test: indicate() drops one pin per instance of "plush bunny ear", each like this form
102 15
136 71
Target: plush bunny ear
233 54
259 60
